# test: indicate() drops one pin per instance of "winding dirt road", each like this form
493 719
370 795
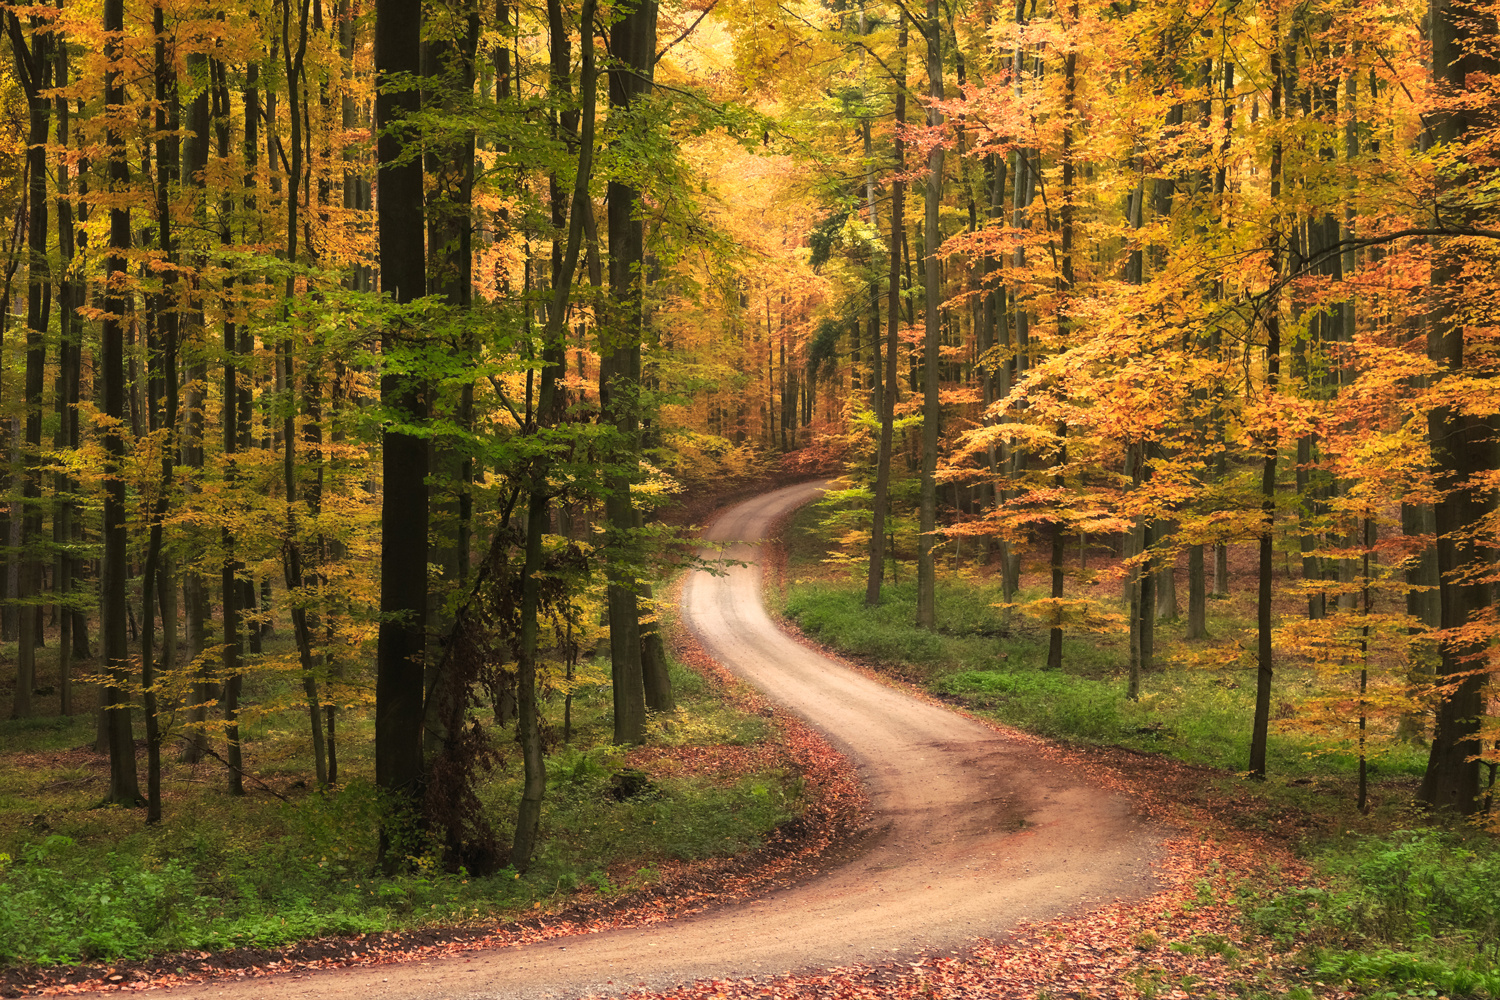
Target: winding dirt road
973 832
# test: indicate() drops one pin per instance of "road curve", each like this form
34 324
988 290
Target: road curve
973 832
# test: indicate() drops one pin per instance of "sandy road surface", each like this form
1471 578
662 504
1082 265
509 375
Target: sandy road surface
973 833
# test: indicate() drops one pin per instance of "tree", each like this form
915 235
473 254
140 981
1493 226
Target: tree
632 39
123 788
404 503
932 410
1462 439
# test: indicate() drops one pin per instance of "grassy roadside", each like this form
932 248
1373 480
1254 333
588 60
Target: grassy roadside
83 884
1394 907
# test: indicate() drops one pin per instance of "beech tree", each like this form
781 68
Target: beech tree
1185 281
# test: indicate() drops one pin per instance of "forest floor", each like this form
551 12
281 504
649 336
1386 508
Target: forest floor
971 832
733 796
1266 890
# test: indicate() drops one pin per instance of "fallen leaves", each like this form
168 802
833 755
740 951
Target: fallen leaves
835 809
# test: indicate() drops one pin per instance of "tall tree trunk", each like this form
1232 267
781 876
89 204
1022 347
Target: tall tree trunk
34 70
537 517
448 82
882 499
1070 84
213 102
633 43
1463 36
233 666
931 362
1265 671
404 502
123 787
161 379
294 49
65 396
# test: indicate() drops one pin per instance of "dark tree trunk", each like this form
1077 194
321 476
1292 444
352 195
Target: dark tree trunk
233 667
548 412
34 70
1197 626
161 379
123 787
633 43
292 558
404 504
65 395
1070 84
209 110
1265 667
1463 35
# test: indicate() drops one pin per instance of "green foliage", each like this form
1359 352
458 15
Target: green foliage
1412 911
1053 704
825 237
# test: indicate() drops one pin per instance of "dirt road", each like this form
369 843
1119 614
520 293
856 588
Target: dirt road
974 832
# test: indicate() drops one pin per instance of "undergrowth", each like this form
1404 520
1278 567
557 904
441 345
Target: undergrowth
1407 911
84 884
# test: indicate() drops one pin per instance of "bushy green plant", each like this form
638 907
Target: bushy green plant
1407 910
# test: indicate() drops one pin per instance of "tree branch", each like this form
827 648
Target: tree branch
690 29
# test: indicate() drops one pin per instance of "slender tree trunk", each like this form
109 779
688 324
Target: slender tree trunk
34 69
1070 83
1265 672
294 49
548 412
931 362
233 666
65 396
893 322
1197 627
448 82
161 377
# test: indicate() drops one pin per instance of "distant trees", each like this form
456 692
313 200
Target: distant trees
1187 331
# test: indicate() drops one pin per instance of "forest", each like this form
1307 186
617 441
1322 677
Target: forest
368 368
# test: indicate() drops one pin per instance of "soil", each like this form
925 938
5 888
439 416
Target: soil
971 831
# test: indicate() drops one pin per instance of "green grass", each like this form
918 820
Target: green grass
79 883
995 664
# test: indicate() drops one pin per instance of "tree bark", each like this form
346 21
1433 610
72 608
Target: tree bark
633 43
548 413
1197 624
34 70
294 50
882 501
1265 666
1070 83
404 501
1463 35
931 362
123 786
65 395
